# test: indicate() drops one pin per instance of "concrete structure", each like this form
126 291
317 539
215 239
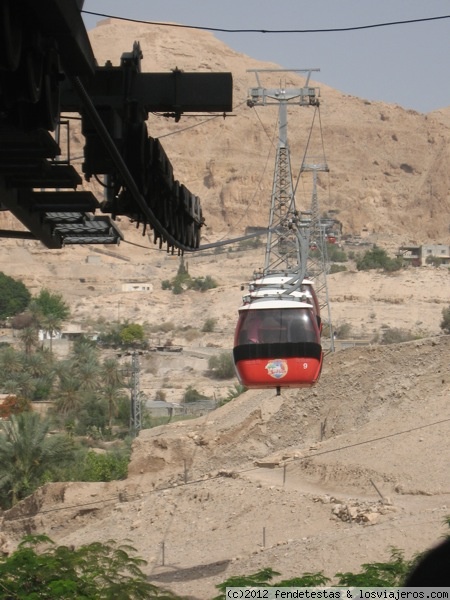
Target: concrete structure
417 255
137 287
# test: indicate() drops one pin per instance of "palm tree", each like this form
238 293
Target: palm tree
89 374
112 373
21 384
29 338
69 395
113 384
10 364
51 324
112 394
27 453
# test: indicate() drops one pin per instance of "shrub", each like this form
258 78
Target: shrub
160 395
201 284
222 366
191 334
251 243
377 258
193 395
39 569
343 331
109 466
13 405
445 323
233 393
336 254
183 281
208 325
164 327
395 335
334 268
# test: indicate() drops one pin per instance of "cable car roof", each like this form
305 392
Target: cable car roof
280 279
274 303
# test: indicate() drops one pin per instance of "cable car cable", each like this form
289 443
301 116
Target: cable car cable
284 31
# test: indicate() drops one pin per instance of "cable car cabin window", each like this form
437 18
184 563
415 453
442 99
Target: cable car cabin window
277 326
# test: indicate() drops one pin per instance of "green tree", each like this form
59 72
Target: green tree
48 303
14 296
132 334
51 324
388 574
97 571
49 311
110 466
69 394
27 453
445 323
112 394
262 578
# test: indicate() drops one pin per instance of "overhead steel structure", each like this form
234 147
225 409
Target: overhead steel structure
287 244
47 67
317 265
293 267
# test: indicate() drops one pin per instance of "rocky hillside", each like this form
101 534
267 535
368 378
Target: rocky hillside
388 166
315 480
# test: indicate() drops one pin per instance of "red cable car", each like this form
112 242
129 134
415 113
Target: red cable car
277 343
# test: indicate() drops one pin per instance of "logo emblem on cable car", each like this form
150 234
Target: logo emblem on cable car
277 368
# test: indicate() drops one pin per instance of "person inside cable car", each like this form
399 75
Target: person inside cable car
252 332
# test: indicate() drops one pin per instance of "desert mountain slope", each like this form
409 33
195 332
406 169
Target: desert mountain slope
320 479
388 166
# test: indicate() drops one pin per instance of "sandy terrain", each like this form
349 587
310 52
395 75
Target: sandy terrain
319 479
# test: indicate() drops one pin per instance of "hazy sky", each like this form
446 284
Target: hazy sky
407 64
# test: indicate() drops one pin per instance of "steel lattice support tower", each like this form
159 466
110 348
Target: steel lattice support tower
288 232
317 263
135 408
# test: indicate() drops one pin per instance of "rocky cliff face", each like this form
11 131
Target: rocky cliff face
388 166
